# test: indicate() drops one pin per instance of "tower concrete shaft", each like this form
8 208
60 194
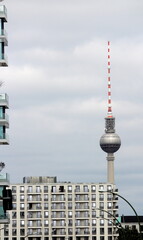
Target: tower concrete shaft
110 167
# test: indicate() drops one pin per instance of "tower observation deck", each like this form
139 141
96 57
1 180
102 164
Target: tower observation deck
110 142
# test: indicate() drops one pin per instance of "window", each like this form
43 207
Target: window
29 189
21 214
45 189
14 189
46 222
101 222
93 197
46 197
93 222
38 189
21 198
14 205
38 214
21 189
109 205
109 230
39 223
53 189
109 187
93 230
22 223
69 188
69 197
85 188
46 214
45 205
70 205
93 188
101 205
101 197
21 205
77 188
14 214
93 205
70 214
102 231
14 232
30 223
14 223
101 187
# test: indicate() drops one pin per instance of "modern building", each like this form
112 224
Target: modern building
132 222
45 209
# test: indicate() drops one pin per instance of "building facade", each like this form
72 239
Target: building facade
44 209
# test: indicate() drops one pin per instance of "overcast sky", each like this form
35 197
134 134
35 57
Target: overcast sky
57 87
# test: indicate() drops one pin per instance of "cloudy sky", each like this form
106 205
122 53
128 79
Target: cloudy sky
57 87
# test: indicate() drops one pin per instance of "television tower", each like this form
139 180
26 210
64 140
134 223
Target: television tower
110 142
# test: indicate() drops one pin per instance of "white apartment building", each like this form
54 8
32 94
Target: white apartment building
44 209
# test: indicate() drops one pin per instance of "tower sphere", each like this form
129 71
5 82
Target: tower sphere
110 142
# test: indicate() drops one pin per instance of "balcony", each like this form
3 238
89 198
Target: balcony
4 140
4 179
4 120
4 100
4 218
3 37
3 60
3 13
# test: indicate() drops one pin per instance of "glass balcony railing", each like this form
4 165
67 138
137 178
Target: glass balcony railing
3 11
4 98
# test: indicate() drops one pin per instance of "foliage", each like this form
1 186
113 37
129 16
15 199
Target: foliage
128 234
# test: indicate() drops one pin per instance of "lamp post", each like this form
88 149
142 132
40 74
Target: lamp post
116 194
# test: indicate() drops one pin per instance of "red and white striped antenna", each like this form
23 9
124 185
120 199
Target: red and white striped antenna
109 114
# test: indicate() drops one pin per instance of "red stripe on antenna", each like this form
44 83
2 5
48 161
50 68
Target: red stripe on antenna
109 114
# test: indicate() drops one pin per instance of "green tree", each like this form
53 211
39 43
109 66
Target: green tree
128 234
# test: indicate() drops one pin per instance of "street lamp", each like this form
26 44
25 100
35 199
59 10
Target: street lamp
116 194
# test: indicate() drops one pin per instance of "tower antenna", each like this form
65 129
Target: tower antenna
109 113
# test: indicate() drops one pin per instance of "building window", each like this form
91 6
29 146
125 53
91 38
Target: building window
101 205
101 187
101 222
38 214
109 230
46 214
69 188
85 188
21 205
93 205
93 222
21 189
45 189
13 223
14 232
14 189
93 188
93 230
22 223
109 205
109 187
46 223
77 189
29 189
13 214
21 214
21 198
69 205
45 205
14 205
69 214
53 189
38 189
101 238
45 197
101 197
101 231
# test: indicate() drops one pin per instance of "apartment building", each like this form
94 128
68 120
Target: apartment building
44 209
